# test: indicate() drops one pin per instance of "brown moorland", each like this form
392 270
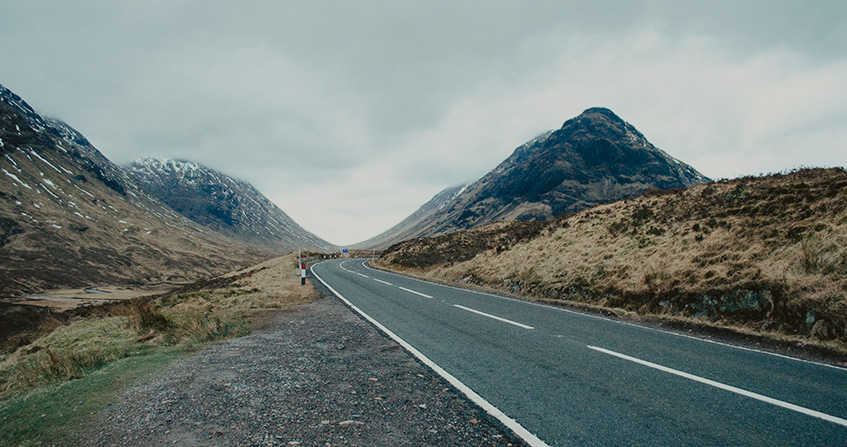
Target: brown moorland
49 346
762 254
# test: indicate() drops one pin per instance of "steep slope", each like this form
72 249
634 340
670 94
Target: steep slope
221 203
406 229
594 158
71 218
766 253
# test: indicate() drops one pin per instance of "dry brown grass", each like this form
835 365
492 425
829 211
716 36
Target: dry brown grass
210 310
273 284
763 253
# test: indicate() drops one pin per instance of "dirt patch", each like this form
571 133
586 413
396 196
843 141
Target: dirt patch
65 299
314 375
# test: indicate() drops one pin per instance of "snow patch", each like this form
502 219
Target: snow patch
453 197
51 193
15 178
14 163
86 192
43 160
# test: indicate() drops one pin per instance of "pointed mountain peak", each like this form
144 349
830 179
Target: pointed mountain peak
600 111
596 117
595 157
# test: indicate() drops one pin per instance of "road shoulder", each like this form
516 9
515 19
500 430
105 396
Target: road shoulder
315 375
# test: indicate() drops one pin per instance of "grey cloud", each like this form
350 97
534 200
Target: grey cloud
421 94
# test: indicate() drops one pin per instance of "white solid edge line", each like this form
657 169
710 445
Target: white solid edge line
415 292
510 423
597 317
729 388
495 317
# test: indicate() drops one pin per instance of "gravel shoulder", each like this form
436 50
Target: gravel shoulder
316 375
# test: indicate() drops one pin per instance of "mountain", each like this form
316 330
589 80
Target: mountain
594 158
221 203
71 218
761 253
407 227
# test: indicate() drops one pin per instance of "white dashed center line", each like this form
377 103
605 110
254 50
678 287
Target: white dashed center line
416 293
495 317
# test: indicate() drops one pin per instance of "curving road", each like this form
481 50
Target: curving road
564 378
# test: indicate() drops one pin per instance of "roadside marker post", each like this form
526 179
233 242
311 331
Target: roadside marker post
302 266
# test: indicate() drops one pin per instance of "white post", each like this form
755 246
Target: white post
301 266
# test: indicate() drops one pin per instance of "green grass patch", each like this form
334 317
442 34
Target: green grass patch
55 414
51 387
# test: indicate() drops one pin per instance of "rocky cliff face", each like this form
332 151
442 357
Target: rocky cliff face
594 158
71 218
224 204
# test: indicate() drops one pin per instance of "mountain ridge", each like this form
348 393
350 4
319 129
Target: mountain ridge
433 205
70 218
594 158
224 204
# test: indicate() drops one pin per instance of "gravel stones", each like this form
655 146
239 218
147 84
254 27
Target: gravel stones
288 383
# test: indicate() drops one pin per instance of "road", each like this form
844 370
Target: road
569 378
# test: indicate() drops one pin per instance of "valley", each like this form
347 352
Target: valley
108 272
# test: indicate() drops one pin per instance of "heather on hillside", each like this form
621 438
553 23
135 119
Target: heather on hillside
767 253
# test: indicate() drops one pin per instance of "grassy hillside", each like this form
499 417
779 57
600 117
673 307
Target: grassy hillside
68 369
764 253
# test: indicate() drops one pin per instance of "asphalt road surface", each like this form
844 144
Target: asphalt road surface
564 378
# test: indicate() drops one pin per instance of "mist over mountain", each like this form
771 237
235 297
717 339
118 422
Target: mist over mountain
407 227
594 158
71 218
224 204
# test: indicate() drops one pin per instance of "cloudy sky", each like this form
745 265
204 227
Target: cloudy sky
351 114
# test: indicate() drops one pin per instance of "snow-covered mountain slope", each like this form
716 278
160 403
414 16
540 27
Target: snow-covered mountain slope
224 204
71 218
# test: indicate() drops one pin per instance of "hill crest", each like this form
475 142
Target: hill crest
224 204
70 218
596 157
